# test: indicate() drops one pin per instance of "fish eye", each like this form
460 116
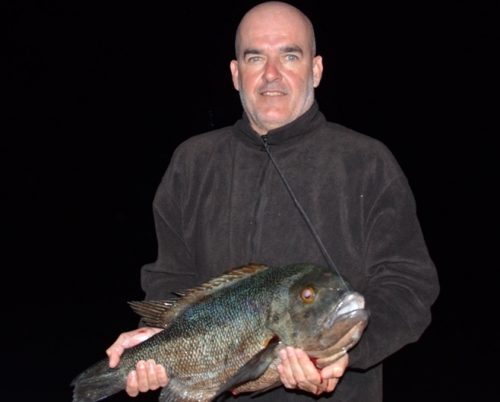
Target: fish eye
308 295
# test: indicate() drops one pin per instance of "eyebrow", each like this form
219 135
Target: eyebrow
284 49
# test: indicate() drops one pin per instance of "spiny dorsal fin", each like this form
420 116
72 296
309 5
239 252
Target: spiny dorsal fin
158 313
155 313
224 280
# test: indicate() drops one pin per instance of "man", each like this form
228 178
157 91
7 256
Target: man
222 204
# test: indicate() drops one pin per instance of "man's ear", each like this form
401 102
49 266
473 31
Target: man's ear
317 70
234 74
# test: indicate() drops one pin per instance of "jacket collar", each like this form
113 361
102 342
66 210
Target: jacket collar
287 134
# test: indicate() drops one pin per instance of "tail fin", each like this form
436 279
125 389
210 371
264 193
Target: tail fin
98 382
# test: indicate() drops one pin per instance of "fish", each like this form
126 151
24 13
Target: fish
224 335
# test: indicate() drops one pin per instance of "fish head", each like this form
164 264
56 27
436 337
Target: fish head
323 316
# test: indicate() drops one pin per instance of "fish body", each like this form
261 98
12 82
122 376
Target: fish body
225 335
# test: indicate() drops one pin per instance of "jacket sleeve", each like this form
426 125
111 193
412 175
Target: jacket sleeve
173 270
401 279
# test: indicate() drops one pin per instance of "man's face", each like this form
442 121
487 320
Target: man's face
276 72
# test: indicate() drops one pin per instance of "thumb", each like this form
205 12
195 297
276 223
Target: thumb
336 369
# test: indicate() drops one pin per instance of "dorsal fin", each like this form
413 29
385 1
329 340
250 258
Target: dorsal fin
155 313
158 313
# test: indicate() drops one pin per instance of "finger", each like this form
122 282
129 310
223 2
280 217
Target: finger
128 340
116 349
300 373
285 370
327 386
151 373
161 375
142 376
295 367
309 370
114 355
330 384
131 388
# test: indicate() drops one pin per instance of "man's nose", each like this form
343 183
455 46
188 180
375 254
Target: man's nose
272 71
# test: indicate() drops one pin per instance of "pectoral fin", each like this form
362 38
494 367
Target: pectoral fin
254 368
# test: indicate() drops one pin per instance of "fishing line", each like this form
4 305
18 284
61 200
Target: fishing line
315 234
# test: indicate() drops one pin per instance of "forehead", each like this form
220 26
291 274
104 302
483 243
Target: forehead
270 28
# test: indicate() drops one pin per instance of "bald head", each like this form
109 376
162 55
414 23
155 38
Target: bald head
276 68
273 15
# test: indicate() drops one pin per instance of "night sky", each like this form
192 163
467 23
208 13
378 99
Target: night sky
98 94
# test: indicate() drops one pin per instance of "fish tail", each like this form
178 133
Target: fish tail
98 382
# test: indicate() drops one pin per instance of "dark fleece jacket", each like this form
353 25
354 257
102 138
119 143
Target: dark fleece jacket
222 204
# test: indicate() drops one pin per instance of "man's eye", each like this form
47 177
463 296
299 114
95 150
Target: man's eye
254 59
291 57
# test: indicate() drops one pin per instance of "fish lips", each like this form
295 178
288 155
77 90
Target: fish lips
341 330
351 304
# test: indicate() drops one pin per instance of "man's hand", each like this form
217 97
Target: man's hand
298 371
147 376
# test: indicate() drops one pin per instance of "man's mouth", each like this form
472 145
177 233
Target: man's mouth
273 92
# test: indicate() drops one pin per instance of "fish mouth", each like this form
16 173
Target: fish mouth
341 330
346 307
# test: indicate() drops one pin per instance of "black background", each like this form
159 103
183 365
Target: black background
98 94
